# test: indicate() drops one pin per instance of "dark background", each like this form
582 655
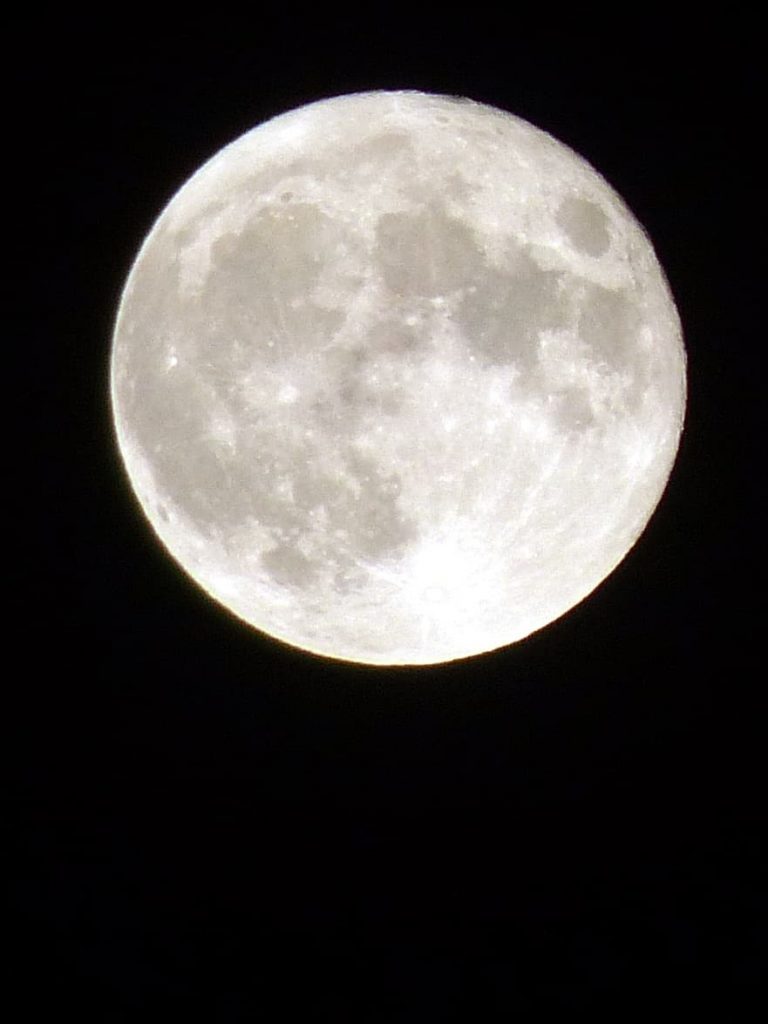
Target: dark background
203 821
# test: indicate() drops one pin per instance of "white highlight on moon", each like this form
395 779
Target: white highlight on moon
397 378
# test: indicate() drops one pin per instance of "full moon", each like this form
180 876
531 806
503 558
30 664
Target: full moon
397 378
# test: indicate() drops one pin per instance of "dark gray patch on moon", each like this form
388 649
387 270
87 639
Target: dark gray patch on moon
360 510
573 409
378 528
350 578
255 296
609 324
426 254
394 338
382 148
363 381
585 225
288 566
504 314
457 187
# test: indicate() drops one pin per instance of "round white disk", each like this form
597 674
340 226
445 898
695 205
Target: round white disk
397 378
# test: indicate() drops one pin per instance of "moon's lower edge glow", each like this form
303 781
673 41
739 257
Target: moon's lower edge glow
397 378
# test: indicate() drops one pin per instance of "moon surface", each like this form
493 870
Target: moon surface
397 378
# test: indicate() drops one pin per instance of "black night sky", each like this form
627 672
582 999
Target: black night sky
205 822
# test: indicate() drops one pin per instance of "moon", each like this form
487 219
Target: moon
397 378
